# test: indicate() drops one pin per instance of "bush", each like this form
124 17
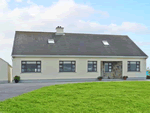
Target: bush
17 78
125 76
100 77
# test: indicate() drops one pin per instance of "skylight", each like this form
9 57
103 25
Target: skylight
51 41
105 42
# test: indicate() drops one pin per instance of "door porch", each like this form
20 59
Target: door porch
111 69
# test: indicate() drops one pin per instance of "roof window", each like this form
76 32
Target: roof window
51 41
105 42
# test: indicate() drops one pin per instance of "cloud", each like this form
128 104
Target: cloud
18 0
125 27
66 13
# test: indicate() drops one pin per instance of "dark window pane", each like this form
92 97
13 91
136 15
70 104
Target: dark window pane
90 67
38 66
31 67
106 68
38 62
23 66
109 70
31 62
133 67
94 65
73 70
67 67
23 62
132 62
23 70
61 69
39 70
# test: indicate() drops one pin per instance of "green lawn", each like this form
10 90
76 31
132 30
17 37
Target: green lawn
96 97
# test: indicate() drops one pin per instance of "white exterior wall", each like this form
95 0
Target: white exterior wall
10 74
3 71
50 68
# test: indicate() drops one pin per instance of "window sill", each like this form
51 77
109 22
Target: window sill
67 72
30 72
133 71
92 71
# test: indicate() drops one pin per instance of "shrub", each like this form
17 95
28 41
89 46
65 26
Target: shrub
17 78
100 77
125 76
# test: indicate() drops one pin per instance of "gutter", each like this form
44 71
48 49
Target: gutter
79 56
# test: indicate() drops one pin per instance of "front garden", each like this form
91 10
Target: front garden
95 97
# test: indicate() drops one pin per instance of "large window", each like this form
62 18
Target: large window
30 66
67 66
92 66
133 66
108 67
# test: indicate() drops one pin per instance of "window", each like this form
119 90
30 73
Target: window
51 41
105 42
67 66
30 66
133 66
92 66
108 67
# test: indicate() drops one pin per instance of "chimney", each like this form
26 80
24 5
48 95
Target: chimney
59 30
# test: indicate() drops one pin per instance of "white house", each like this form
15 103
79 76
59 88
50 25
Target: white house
59 55
5 72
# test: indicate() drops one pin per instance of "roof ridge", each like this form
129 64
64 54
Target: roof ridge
72 33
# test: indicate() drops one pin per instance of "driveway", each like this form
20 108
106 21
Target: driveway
10 90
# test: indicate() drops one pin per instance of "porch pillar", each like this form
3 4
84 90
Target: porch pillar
124 65
100 74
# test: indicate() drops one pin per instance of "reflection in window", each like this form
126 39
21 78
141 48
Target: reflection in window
108 67
30 66
133 66
92 66
66 66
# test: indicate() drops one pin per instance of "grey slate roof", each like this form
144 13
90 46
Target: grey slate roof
35 43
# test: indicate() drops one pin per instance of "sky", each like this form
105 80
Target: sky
120 17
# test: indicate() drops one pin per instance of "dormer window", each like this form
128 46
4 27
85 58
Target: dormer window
105 42
51 41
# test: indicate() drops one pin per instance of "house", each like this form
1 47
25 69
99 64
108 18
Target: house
5 72
62 56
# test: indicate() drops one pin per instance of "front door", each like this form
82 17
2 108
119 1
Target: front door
112 71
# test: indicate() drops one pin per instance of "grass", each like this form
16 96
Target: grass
96 97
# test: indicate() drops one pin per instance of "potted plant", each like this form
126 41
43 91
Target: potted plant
17 79
99 78
125 77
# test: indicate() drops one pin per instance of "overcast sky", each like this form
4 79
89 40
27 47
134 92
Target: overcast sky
120 17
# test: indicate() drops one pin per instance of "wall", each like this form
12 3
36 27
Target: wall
50 68
3 71
10 74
